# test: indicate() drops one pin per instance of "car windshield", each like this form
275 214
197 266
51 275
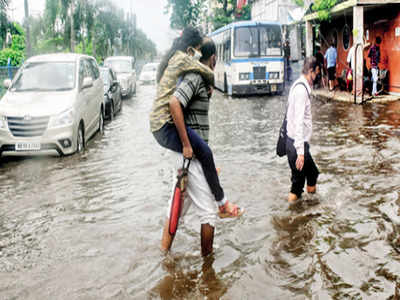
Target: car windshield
258 41
104 75
45 76
119 66
150 68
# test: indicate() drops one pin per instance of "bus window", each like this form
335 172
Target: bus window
227 50
246 42
270 40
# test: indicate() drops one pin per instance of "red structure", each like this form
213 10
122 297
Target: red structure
241 3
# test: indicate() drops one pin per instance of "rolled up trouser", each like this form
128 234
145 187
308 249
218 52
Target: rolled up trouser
309 171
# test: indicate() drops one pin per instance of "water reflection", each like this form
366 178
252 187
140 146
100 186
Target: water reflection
185 281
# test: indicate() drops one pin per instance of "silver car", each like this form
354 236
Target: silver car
124 67
149 73
54 105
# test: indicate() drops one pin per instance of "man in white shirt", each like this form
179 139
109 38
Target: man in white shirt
299 130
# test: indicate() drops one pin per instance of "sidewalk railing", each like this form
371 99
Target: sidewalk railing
6 72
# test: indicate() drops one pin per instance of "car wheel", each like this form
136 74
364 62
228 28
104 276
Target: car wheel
120 105
101 122
112 111
225 84
80 141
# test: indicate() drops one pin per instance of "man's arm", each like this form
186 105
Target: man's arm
184 92
179 120
299 108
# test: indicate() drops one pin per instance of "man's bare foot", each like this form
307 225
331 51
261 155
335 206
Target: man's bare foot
292 198
311 189
230 210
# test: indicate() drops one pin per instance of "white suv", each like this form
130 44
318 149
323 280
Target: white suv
124 67
54 105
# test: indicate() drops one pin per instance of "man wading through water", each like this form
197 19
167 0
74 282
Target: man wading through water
188 107
299 130
170 130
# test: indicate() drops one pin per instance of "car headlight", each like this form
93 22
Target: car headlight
244 76
3 122
65 118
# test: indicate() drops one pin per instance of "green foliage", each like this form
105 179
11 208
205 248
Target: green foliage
323 8
299 2
16 57
49 45
229 13
100 29
184 12
17 49
4 4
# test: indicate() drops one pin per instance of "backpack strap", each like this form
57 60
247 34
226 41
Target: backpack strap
299 83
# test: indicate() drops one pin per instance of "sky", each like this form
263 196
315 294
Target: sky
150 17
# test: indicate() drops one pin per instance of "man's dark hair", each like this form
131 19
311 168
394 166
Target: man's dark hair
191 37
310 63
378 40
333 43
208 49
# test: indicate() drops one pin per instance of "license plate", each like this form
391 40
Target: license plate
27 146
273 87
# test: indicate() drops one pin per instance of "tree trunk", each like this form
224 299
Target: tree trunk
72 27
28 35
94 44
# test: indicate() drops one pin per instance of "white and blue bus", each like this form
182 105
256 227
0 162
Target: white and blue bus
249 58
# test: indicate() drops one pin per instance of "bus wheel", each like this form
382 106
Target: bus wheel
225 84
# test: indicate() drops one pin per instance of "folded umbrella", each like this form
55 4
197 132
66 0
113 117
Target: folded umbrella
178 197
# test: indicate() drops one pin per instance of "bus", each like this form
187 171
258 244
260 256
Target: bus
249 58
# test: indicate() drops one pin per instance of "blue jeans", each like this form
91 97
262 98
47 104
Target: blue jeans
168 137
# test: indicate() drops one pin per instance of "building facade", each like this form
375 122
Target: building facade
280 11
359 22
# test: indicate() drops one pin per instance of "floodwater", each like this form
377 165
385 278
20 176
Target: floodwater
88 226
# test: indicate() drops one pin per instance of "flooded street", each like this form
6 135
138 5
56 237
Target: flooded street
88 226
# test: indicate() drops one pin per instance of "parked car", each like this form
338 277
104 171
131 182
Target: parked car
148 73
112 92
124 67
54 105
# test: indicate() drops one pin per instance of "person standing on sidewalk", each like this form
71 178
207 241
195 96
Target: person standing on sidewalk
331 56
374 54
189 108
299 130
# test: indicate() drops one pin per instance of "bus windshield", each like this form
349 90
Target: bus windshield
257 41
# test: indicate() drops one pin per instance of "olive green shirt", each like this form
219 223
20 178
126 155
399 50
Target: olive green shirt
179 65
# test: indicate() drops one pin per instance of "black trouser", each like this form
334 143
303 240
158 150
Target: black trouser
309 171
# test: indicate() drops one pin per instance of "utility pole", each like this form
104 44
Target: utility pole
28 35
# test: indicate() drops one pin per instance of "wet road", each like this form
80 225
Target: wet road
88 226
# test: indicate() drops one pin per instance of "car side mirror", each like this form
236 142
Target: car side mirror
115 83
87 82
7 83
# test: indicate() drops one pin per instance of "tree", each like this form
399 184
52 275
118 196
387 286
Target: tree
323 8
99 29
16 52
27 29
229 13
3 4
184 12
